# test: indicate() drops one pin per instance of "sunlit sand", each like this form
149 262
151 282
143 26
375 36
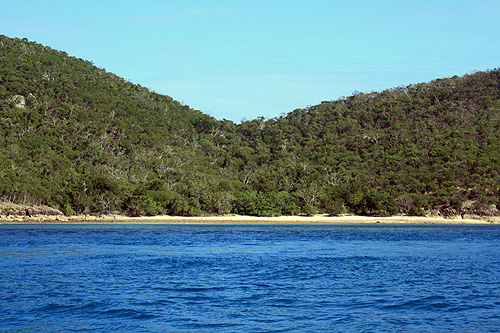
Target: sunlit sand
239 219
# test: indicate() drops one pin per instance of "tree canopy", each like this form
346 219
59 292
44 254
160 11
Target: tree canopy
80 139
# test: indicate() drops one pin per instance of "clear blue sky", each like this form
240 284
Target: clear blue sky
244 59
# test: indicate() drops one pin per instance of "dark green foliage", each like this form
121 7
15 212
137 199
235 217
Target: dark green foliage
265 204
139 205
83 140
309 210
335 207
375 203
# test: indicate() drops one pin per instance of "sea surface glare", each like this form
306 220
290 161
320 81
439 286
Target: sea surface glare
249 278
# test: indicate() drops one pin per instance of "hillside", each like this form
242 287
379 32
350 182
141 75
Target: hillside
80 139
426 146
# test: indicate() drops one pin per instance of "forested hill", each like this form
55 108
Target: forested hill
83 140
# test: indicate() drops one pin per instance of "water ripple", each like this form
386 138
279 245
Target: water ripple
249 278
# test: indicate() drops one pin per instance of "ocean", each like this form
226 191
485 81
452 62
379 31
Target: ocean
249 278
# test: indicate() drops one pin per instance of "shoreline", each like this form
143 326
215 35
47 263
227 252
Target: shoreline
241 219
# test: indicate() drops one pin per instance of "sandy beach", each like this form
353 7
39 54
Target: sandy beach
239 219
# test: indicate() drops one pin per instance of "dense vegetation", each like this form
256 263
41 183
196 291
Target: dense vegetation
83 140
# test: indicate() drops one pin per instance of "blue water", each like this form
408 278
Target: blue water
243 278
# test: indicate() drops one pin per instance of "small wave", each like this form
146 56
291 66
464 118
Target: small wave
127 313
426 303
198 289
51 308
469 307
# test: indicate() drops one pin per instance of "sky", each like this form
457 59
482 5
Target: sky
239 59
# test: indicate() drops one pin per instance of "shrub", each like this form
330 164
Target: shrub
309 210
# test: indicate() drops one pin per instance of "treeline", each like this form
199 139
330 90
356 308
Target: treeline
78 138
